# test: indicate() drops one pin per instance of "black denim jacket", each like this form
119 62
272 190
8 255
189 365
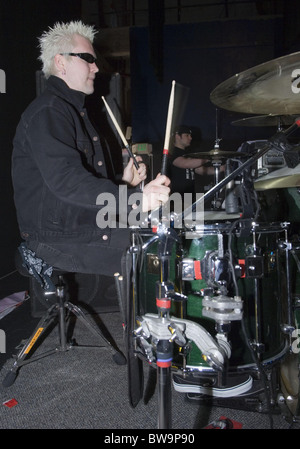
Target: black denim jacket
58 169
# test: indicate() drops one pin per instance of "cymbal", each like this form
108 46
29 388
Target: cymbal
279 179
216 154
266 120
268 88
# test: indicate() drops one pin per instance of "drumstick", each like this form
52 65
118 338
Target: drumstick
168 130
120 133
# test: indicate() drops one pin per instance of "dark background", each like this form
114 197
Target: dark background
21 22
199 56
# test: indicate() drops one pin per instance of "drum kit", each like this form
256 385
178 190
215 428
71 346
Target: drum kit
214 306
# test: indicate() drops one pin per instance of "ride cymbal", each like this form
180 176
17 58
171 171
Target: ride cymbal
269 88
215 154
266 120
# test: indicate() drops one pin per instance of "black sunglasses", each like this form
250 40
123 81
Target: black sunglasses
85 56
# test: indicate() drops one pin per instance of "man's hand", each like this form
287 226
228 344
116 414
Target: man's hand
133 176
156 193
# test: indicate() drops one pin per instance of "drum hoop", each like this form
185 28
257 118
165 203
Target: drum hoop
250 366
219 228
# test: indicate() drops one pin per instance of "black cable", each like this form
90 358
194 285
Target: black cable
8 274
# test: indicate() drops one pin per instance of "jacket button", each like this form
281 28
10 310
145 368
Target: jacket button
100 163
105 237
95 138
82 114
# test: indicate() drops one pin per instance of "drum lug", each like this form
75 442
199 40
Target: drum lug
287 329
187 269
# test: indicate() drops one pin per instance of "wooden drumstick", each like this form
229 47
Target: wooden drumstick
168 130
120 133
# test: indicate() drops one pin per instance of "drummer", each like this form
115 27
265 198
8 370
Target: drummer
60 164
182 169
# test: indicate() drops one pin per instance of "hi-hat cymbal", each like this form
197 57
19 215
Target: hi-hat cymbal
266 120
215 155
269 88
279 179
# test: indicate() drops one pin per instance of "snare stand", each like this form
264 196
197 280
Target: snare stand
164 349
162 331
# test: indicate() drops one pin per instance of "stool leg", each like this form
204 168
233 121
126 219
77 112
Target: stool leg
118 357
40 329
60 294
56 310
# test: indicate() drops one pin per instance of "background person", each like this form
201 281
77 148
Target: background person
182 170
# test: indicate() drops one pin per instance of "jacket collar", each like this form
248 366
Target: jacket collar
60 88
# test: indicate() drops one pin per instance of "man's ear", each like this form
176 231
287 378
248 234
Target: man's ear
59 62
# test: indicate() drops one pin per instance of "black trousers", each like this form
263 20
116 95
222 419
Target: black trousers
94 257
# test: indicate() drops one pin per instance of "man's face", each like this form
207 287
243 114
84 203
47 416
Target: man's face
80 74
183 140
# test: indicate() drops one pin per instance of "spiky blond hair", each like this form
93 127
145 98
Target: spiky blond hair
60 39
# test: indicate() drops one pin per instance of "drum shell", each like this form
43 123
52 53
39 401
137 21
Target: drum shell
148 275
269 286
197 248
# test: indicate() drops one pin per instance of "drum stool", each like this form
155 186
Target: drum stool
57 311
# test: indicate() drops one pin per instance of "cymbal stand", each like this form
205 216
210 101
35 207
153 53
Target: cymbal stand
217 201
